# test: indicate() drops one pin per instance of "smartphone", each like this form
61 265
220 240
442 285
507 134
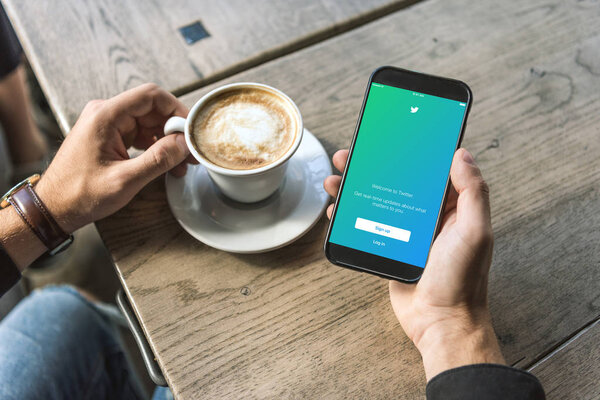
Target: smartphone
393 190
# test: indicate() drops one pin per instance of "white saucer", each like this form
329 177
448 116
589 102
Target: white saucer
254 228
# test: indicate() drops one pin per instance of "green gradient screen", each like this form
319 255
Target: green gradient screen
396 178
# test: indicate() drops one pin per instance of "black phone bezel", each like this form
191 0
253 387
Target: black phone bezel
423 83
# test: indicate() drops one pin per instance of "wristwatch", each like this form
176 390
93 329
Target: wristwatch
32 210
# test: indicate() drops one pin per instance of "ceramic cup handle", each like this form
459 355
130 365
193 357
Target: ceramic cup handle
174 124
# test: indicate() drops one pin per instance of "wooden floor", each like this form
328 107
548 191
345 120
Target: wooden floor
287 324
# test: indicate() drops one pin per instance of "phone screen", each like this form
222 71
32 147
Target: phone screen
397 174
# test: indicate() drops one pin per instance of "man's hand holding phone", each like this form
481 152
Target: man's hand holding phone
446 313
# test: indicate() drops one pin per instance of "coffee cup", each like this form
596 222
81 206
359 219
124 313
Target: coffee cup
244 135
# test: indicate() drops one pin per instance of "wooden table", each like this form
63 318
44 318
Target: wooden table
287 324
81 50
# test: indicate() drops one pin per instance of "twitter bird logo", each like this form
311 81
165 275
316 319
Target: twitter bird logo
414 109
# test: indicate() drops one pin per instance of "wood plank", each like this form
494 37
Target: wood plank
81 50
572 371
309 329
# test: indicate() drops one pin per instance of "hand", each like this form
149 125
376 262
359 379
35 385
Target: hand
92 175
446 313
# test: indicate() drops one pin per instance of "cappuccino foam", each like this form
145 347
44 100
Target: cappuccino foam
245 128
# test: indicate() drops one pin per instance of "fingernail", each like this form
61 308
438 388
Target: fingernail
180 139
468 157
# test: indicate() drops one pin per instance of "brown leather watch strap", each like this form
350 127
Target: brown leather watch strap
33 211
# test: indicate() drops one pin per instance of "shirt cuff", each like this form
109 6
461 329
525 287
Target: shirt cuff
485 381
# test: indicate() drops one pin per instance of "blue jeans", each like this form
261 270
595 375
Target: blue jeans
57 345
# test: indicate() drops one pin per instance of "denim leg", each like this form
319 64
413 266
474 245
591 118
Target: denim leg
162 393
55 345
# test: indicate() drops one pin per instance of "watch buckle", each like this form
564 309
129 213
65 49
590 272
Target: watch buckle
61 246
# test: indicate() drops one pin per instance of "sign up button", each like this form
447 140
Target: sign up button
382 229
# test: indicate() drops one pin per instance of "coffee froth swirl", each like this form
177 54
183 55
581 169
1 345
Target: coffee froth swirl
244 129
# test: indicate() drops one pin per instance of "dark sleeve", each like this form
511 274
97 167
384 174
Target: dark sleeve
9 273
10 49
485 382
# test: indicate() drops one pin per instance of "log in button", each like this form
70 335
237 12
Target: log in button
382 229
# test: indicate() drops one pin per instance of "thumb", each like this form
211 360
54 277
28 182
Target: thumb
159 158
473 205
401 295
